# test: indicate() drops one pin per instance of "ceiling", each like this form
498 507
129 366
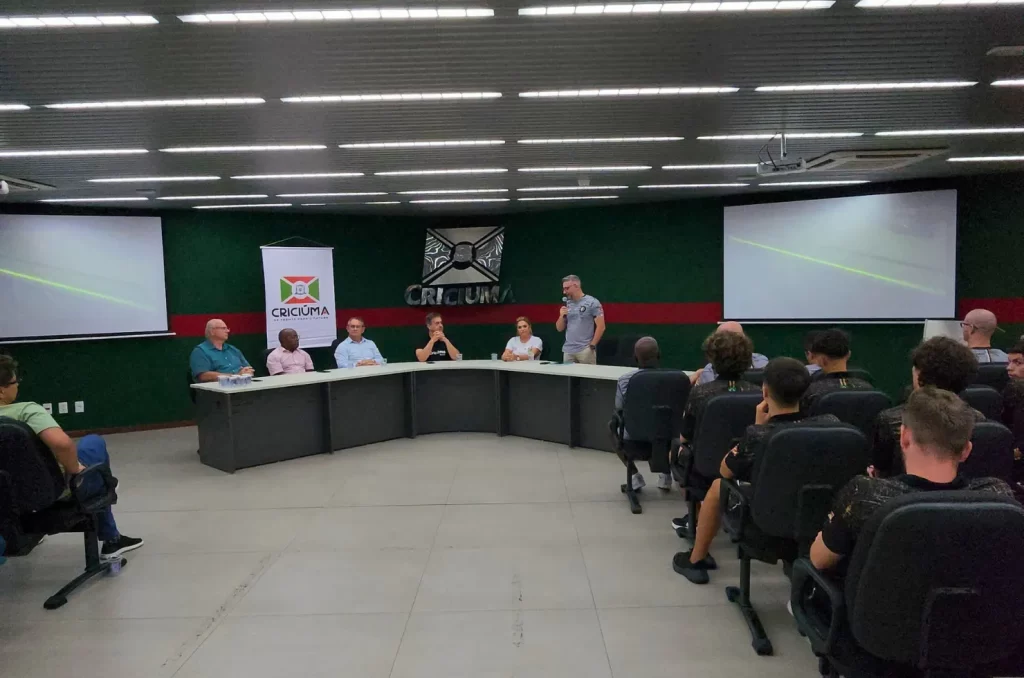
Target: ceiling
506 53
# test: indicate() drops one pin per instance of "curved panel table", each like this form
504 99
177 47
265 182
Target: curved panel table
297 415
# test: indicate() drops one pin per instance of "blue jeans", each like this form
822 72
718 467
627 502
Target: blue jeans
93 450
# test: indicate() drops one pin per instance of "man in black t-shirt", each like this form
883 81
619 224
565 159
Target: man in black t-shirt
830 351
1013 401
934 438
785 381
438 347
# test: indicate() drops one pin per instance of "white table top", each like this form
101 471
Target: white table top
603 372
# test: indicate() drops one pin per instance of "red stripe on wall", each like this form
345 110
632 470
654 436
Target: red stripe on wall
1007 309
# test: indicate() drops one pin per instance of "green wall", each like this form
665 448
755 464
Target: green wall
663 252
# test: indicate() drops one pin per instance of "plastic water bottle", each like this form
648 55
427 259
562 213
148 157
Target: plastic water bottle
224 380
115 568
383 361
494 356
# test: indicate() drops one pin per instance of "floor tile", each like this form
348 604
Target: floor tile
485 485
368 526
262 530
506 525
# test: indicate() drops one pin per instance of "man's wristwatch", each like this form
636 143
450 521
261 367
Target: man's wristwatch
593 347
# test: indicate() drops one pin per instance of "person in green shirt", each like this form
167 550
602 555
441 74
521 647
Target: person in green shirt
73 459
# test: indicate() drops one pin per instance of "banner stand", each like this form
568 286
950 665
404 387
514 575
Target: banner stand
299 292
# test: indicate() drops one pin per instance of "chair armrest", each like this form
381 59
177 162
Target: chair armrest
806 577
729 489
96 502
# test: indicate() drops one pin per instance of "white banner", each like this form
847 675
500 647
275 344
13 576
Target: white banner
299 289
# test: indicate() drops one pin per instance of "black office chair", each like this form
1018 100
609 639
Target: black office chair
721 425
858 373
652 413
992 374
28 466
754 376
934 588
263 365
991 453
191 391
859 408
779 515
985 399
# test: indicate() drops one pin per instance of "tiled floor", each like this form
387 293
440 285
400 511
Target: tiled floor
448 556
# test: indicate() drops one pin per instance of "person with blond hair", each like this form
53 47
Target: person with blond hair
525 345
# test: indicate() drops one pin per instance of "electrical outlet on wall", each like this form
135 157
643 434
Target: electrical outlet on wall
62 408
48 407
79 406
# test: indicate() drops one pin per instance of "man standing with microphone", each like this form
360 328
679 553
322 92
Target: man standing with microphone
582 320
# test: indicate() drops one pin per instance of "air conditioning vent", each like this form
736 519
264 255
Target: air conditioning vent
24 185
871 161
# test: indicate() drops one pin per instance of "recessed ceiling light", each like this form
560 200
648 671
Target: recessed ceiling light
315 175
862 86
625 92
249 196
329 195
125 199
76 21
597 168
540 189
158 103
383 202
14 107
72 152
235 207
370 14
405 96
599 140
676 7
766 136
448 191
413 173
816 183
1019 82
731 165
727 185
244 149
314 204
988 158
896 4
148 180
437 201
425 144
569 197
951 132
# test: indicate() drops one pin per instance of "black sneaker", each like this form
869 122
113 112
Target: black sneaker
115 549
695 572
682 527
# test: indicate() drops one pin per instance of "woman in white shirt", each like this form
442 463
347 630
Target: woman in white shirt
523 346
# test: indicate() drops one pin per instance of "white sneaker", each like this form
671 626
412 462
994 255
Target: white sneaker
664 481
638 481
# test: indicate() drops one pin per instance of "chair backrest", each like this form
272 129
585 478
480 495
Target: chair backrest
799 471
336 343
860 374
648 390
724 420
985 399
263 364
992 374
991 452
859 408
754 377
34 474
935 579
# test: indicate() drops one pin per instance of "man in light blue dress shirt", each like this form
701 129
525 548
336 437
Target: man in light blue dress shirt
357 351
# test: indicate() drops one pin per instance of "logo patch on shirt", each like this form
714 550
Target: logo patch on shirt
583 309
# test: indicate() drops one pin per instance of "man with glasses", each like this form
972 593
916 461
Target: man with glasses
978 326
216 356
356 350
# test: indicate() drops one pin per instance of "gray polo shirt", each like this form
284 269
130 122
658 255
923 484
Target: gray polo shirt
579 323
990 355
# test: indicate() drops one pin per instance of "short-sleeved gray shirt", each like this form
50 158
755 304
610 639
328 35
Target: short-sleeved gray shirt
579 323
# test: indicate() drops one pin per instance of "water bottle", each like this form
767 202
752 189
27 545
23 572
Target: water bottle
115 567
224 380
383 361
494 356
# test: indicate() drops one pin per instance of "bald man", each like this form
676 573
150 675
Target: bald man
978 326
647 357
707 374
216 356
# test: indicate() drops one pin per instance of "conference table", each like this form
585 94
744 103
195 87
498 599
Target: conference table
297 415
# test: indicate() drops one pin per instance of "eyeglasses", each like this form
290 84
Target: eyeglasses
968 325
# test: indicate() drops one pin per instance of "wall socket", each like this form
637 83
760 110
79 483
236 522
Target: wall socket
62 408
48 407
79 406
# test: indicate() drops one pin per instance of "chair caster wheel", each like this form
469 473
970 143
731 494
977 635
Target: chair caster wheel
622 488
732 593
763 647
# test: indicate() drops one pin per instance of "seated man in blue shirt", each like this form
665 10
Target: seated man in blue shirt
356 350
647 356
216 356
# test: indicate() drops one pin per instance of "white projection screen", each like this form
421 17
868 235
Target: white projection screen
870 257
76 276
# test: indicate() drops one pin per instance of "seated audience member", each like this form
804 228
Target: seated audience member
216 356
438 347
357 350
73 459
1013 397
785 381
978 327
288 358
809 338
707 373
934 439
830 351
647 356
940 362
523 346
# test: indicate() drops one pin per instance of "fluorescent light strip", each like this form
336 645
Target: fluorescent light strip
405 96
455 200
383 202
425 144
67 153
569 197
235 207
625 92
867 86
249 196
998 83
816 183
369 14
789 135
951 132
148 180
329 195
126 199
734 165
244 149
316 175
895 4
598 168
541 189
14 107
450 191
676 8
76 21
599 140
988 158
728 185
432 172
157 103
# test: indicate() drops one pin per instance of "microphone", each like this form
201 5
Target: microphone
565 300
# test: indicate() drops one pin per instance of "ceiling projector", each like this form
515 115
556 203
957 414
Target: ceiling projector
781 168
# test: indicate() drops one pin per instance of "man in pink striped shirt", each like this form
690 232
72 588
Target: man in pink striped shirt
288 358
